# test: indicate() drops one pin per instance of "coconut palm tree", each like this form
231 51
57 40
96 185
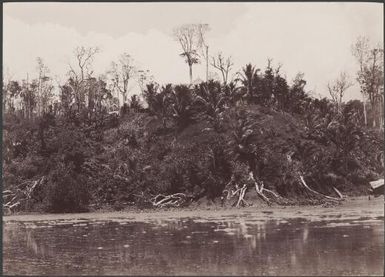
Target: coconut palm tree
181 105
159 101
212 99
249 79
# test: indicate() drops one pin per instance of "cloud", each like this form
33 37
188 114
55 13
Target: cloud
23 43
313 38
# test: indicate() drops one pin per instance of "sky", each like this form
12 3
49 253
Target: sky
313 38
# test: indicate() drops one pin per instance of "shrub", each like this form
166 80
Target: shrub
66 191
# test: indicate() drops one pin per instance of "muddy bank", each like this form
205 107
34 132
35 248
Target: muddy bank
354 207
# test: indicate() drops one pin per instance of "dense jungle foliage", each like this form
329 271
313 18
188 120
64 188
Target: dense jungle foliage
197 140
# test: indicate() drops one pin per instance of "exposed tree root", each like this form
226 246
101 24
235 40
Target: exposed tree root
241 196
320 194
272 192
259 190
338 193
241 192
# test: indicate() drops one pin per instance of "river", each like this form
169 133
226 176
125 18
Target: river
241 242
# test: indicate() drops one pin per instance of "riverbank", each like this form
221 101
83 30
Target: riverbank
352 207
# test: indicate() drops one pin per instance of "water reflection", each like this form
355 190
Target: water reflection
238 245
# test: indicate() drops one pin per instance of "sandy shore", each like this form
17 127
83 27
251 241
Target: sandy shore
351 208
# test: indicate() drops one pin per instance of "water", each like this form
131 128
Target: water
240 244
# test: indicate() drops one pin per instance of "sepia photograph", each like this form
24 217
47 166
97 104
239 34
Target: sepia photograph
193 138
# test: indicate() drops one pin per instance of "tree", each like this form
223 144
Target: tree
84 57
11 90
243 148
249 79
233 93
181 106
359 50
66 98
202 30
223 64
298 97
7 98
122 71
213 100
370 76
44 89
28 95
135 104
158 101
267 91
145 77
281 91
189 38
337 89
97 94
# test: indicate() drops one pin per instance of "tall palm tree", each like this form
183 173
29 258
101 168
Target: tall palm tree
249 79
242 144
232 93
211 97
181 104
159 101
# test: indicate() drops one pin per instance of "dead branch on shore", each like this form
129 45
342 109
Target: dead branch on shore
21 195
320 194
173 200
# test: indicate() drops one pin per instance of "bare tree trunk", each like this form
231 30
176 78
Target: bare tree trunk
374 122
207 64
365 115
380 115
124 94
190 71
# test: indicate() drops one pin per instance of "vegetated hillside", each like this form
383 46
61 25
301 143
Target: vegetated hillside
140 160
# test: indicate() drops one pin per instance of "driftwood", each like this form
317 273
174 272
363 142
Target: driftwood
173 200
316 192
20 195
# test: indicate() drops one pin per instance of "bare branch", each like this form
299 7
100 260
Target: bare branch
222 64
